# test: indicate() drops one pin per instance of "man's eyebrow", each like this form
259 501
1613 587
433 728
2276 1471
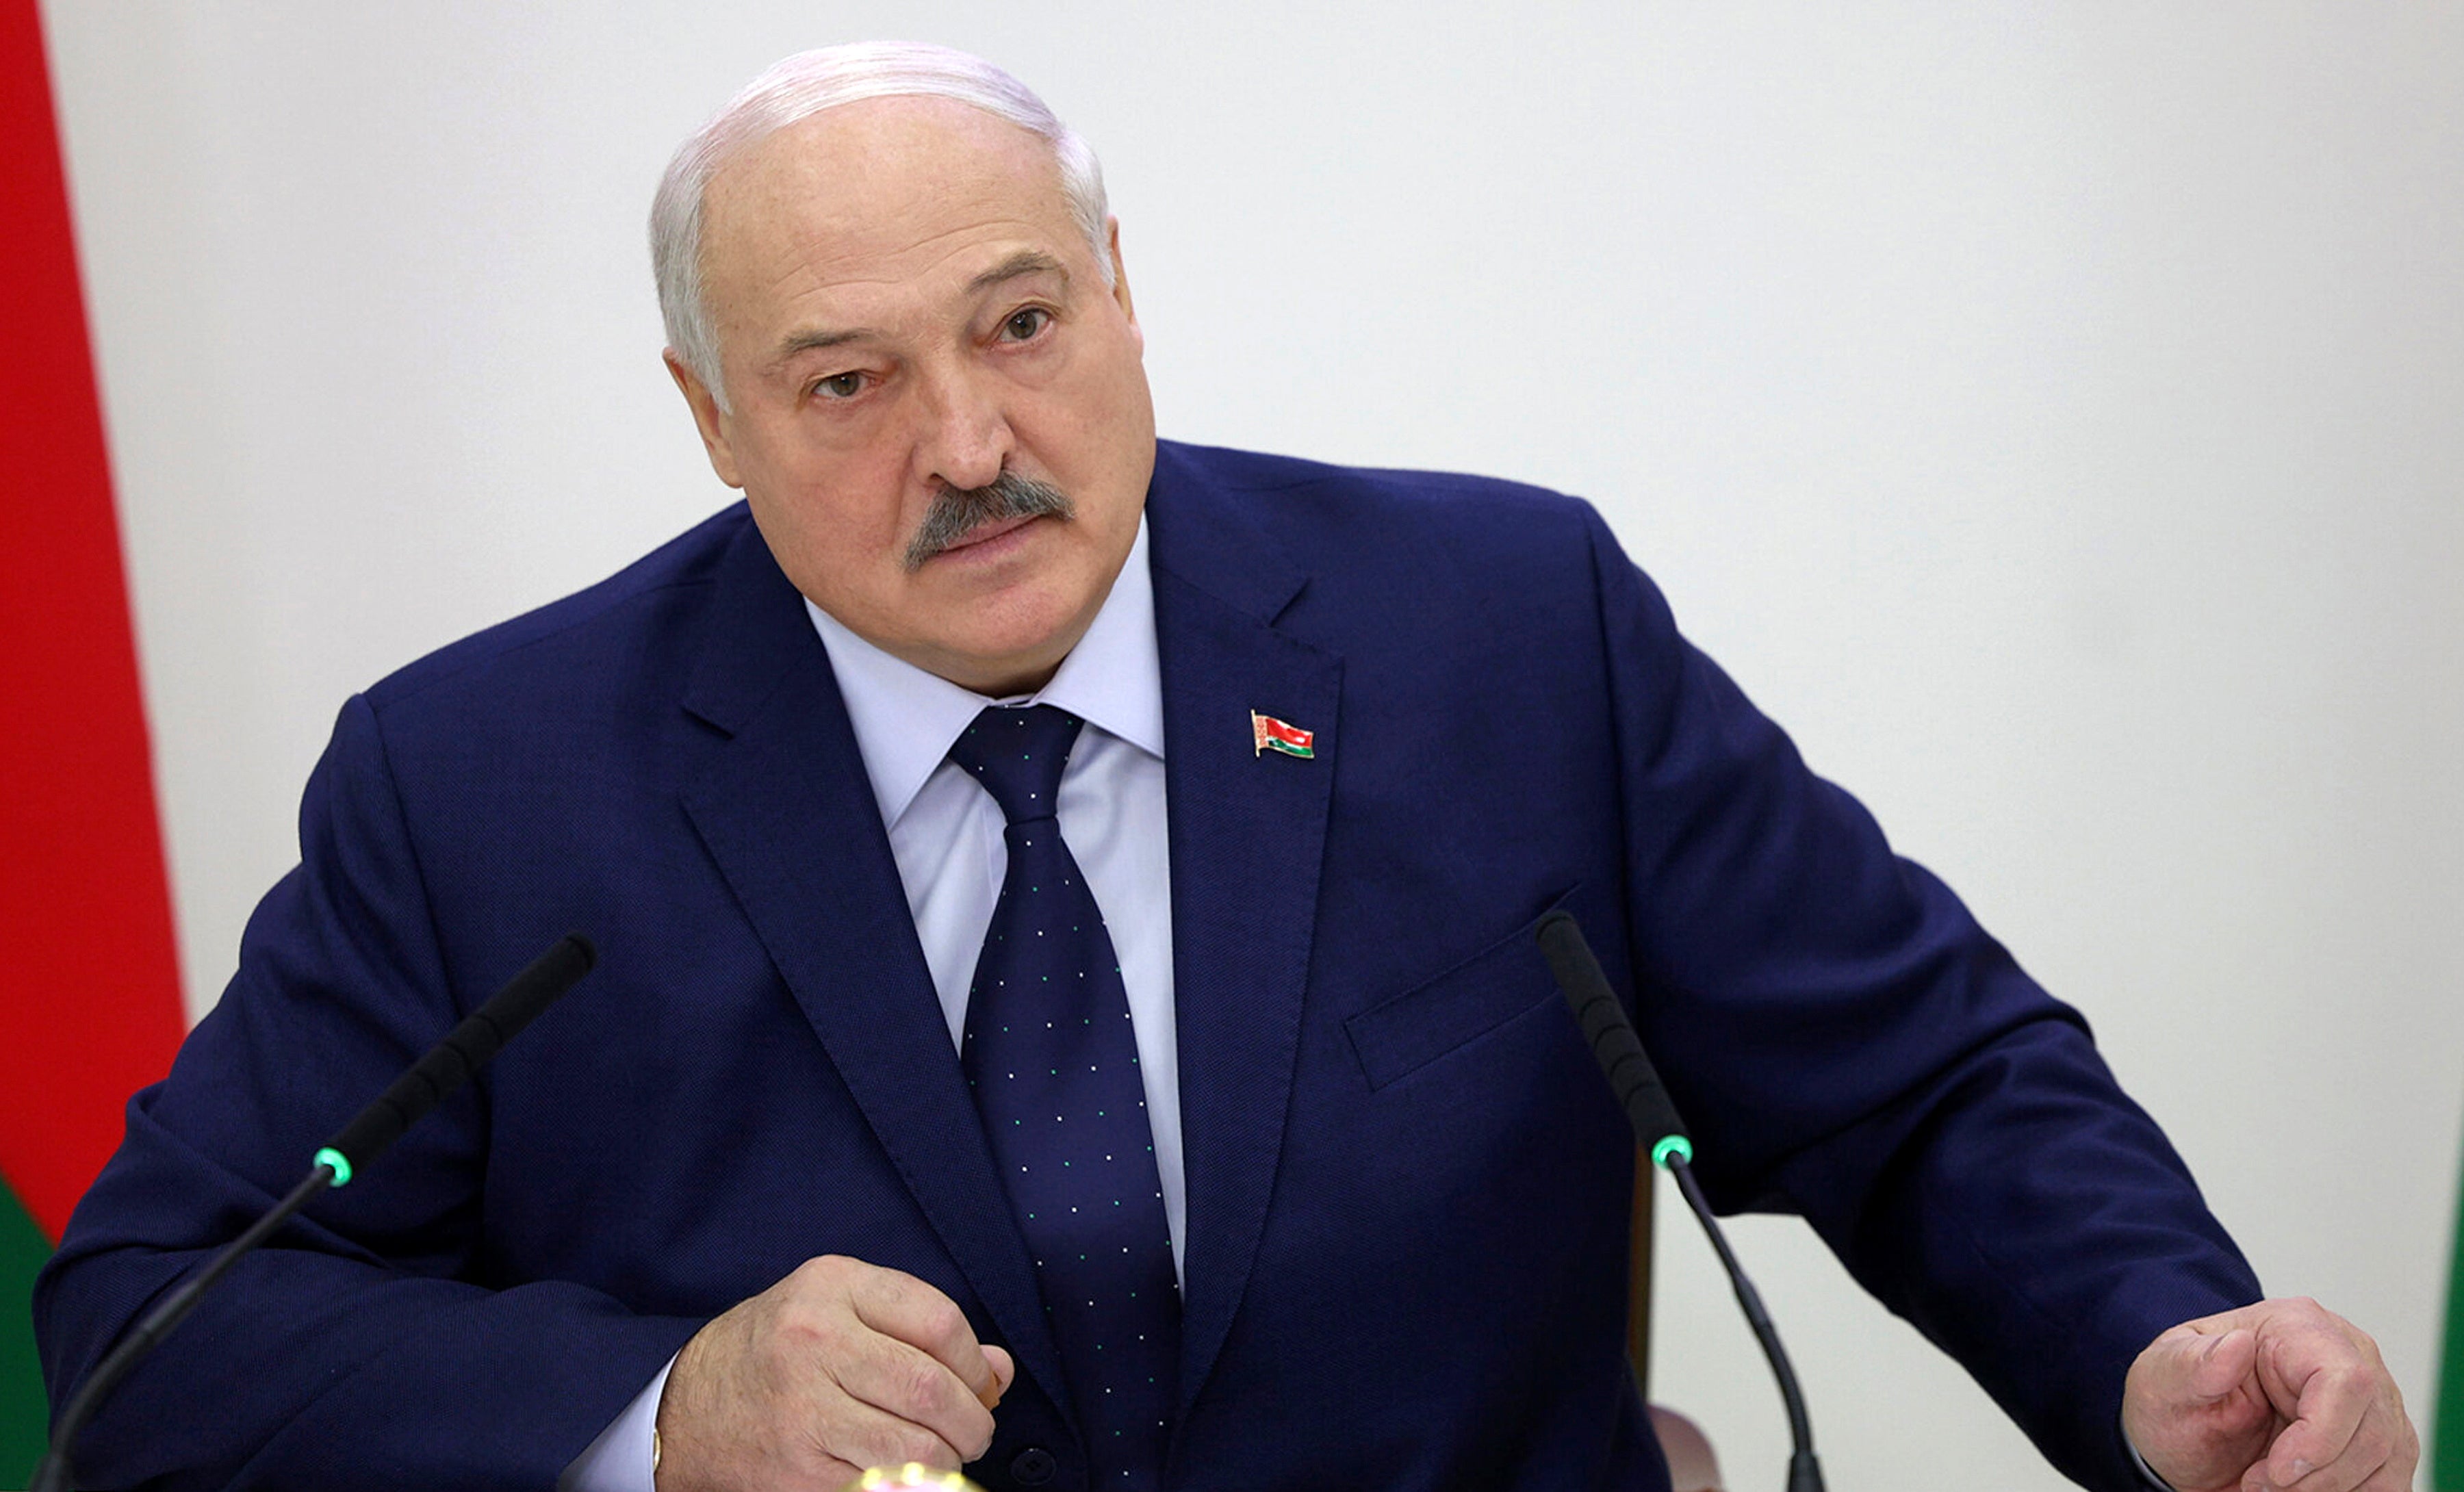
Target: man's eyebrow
1026 261
813 342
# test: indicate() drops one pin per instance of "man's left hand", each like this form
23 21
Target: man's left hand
2280 1394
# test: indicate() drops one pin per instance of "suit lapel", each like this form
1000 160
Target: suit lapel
1247 835
785 809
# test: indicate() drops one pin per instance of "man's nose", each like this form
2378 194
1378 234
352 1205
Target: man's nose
966 437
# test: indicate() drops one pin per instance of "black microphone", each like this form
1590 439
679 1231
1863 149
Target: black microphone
1639 1091
447 1067
464 1051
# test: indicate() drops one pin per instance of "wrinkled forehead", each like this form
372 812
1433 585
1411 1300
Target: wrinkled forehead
875 184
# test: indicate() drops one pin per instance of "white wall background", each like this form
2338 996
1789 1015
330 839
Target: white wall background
2051 411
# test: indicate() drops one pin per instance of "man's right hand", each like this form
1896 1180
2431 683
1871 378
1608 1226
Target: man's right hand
841 1366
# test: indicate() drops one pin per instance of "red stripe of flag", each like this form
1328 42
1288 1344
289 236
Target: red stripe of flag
1282 735
90 990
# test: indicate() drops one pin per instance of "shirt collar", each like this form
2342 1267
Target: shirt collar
906 718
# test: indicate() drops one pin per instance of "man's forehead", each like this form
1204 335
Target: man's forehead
876 173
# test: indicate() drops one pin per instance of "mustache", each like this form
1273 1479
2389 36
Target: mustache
958 511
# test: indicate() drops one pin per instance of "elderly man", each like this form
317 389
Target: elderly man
992 740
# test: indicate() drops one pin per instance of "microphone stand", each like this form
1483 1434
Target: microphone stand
446 1068
1648 1108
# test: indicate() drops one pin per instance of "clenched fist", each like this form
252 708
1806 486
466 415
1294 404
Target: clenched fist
2283 1393
841 1366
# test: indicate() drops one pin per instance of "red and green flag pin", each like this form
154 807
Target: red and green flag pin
1281 735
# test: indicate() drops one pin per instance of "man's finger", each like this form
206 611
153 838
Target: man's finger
906 1309
1004 1374
865 1437
2327 1388
2193 1406
2214 1366
2199 1367
2347 1472
2380 1448
909 1385
2396 1475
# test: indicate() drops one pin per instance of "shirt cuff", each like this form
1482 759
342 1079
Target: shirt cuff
621 1460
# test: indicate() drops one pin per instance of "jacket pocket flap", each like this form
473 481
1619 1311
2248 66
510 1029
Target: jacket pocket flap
1458 1007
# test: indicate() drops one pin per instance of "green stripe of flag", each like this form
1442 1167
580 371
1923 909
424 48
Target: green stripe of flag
2446 1422
24 1412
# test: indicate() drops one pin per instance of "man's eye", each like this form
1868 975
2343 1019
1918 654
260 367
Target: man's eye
839 385
1023 326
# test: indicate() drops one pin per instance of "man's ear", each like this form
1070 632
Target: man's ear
708 418
1121 280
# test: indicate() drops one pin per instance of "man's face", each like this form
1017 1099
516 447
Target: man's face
904 307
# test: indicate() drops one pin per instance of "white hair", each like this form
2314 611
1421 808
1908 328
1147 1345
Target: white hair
802 86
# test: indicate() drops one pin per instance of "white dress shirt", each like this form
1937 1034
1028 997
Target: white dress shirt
945 834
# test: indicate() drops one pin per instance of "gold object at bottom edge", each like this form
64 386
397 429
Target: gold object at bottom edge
910 1478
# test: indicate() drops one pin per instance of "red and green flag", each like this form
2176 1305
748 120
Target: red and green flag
89 989
1273 734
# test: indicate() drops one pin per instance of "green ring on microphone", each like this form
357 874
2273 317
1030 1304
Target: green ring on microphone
1676 1145
330 1157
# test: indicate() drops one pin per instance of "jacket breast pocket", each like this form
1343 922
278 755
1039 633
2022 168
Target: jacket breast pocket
1501 982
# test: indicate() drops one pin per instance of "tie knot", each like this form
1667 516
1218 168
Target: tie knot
1018 755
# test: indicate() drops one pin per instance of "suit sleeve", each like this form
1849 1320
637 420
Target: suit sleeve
1849 1045
367 1345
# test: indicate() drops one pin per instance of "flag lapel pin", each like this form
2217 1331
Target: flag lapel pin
1280 736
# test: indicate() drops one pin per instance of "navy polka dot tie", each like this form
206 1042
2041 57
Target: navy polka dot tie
1049 1055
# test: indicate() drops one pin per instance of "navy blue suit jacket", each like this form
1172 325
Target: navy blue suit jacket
1407 1188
